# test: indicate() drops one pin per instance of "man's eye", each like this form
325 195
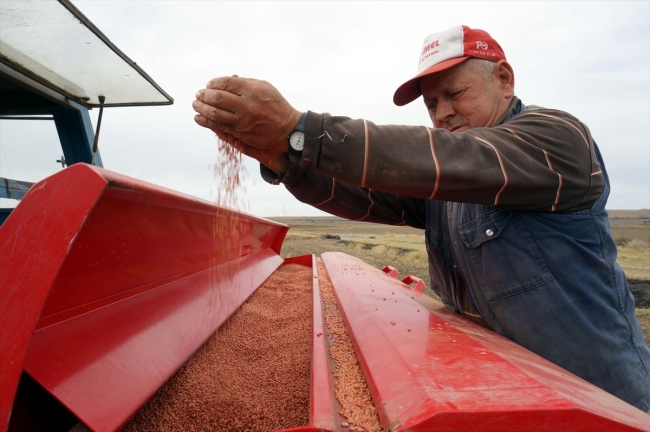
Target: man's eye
456 94
432 107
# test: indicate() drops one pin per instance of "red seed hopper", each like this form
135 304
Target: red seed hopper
108 285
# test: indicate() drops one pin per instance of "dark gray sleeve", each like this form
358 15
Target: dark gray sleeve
539 160
339 198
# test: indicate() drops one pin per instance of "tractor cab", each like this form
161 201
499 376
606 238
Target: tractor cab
55 65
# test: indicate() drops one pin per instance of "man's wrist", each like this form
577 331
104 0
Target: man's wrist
292 122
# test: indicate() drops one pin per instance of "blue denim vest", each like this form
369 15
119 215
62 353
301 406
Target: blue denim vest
547 281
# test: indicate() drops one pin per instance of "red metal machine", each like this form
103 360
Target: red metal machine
109 284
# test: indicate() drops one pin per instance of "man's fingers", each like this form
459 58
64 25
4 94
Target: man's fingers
214 126
214 114
234 84
221 99
231 84
202 121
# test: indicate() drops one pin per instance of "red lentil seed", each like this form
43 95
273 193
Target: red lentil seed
246 377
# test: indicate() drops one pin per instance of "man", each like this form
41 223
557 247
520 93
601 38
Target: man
511 198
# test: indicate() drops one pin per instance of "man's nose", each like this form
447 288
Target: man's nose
444 111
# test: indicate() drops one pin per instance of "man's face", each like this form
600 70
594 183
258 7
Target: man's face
460 98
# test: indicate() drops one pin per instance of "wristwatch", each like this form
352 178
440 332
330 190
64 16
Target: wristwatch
297 137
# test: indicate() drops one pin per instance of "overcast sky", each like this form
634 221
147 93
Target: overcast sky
591 59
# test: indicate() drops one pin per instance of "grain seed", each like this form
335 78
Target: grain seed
218 388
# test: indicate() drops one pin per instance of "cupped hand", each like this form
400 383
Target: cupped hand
249 110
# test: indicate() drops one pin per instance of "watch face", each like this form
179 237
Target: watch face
297 140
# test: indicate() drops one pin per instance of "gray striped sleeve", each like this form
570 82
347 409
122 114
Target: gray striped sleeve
538 160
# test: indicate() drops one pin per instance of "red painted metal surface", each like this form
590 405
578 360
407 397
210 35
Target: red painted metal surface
109 284
428 368
322 410
390 271
419 283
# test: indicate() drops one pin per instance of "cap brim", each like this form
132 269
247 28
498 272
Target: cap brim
410 90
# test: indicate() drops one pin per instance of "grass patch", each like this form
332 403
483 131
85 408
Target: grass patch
634 257
643 315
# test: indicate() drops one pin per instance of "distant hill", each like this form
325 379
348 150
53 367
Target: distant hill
613 214
629 214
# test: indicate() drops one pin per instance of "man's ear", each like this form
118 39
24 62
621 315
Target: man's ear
506 76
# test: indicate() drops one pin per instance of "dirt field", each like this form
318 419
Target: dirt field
403 248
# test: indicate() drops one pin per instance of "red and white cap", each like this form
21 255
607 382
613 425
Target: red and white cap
446 49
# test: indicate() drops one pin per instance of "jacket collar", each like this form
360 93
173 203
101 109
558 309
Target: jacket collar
515 107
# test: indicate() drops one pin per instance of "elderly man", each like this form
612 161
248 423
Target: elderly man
511 198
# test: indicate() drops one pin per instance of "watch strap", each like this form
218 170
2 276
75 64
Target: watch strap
301 123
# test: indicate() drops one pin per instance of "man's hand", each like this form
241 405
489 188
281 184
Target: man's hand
248 114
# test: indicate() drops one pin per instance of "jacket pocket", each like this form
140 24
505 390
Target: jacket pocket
504 257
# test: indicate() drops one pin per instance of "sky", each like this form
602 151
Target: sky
591 59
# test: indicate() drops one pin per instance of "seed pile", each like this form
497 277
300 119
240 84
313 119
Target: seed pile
350 389
252 375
